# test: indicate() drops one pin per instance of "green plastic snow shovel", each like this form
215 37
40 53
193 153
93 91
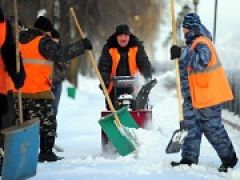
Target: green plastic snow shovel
71 92
119 135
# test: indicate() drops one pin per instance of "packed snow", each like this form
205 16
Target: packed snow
79 135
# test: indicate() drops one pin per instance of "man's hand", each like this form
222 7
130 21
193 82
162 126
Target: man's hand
175 52
87 44
18 79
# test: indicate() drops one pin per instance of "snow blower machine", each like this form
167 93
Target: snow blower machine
127 93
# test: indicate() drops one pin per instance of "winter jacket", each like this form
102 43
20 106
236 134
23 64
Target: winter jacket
60 71
209 86
197 59
38 68
8 64
50 49
105 62
44 48
8 71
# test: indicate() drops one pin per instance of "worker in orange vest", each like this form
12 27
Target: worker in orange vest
123 55
39 51
205 88
8 74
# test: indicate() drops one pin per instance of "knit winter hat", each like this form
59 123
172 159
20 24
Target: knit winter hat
191 20
44 24
122 29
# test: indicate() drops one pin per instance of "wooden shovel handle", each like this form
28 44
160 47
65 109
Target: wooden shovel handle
18 60
174 41
93 63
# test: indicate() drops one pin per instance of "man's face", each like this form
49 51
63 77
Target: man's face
123 40
185 30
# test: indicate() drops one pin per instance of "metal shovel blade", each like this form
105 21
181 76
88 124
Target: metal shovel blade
176 141
21 145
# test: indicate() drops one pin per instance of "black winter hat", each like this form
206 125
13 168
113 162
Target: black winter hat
44 24
122 29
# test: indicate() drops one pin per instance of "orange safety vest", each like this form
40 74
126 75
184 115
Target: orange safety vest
37 68
210 86
132 63
3 73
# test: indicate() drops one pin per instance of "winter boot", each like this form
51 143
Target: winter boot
48 156
183 161
228 163
46 146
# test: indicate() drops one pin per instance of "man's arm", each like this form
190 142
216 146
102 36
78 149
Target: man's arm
143 62
105 65
8 51
56 52
199 57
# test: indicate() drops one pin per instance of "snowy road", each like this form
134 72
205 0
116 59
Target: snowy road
79 135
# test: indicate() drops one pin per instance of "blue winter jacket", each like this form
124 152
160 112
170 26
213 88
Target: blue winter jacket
197 59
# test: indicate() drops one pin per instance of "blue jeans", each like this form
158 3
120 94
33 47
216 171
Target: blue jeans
57 90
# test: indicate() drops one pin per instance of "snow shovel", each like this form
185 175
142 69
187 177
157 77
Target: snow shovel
119 135
21 142
71 92
179 135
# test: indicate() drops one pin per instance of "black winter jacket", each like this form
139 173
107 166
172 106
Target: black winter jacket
8 53
49 48
105 61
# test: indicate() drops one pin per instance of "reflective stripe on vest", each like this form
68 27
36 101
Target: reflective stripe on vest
38 69
37 61
210 86
132 63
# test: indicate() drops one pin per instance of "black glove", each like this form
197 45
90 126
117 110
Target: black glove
175 52
18 79
87 44
1 15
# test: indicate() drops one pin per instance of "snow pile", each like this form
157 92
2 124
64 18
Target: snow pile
79 135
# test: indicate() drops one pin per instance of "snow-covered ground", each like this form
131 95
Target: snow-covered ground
79 135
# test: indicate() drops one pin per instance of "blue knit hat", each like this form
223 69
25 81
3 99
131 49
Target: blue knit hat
191 20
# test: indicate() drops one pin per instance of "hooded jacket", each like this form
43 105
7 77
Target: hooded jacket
197 58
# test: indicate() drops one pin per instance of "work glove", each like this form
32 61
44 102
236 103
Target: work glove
87 44
18 79
175 52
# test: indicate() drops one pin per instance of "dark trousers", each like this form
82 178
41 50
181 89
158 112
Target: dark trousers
42 109
206 121
7 113
57 90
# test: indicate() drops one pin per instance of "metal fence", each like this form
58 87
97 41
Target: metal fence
234 79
